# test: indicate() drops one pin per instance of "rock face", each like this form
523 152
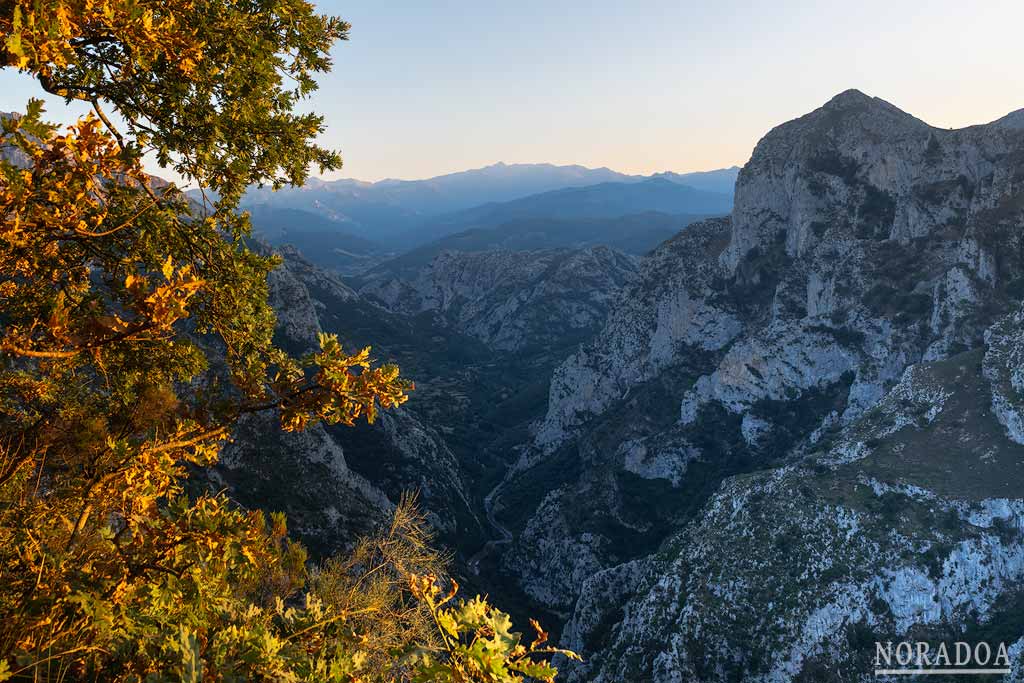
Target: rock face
512 299
800 428
669 308
909 521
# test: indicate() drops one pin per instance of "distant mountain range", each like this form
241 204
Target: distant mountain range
633 234
357 201
400 207
603 200
349 225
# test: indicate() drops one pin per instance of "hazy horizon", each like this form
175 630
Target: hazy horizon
420 92
337 177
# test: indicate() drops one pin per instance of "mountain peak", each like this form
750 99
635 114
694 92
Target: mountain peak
854 101
849 98
851 111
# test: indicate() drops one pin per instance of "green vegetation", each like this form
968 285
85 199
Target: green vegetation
877 209
876 213
759 272
835 164
113 291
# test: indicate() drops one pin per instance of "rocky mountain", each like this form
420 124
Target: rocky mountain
779 437
800 429
511 299
478 333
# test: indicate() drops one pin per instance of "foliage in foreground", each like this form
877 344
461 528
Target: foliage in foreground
135 331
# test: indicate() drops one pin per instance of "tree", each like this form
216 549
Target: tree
135 331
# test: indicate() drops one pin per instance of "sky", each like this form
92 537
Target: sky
641 86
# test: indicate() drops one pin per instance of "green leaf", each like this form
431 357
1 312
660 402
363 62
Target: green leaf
191 663
539 670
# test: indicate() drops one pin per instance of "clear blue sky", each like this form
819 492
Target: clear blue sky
424 88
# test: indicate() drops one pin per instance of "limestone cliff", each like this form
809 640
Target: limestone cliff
789 410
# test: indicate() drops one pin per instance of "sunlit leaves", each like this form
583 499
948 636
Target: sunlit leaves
477 641
207 85
344 388
111 297
135 331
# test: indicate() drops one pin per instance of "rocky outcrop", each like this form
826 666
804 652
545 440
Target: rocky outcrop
910 521
1004 369
511 300
669 309
852 221
550 541
306 476
860 167
857 315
